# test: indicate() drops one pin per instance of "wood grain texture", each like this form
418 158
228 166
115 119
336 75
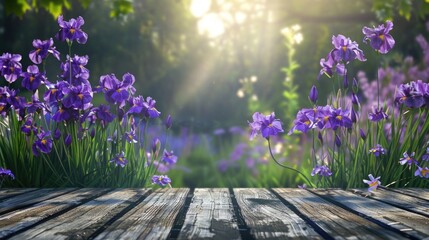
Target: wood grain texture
413 224
413 192
10 192
23 218
151 219
268 218
334 220
210 216
84 220
410 203
32 197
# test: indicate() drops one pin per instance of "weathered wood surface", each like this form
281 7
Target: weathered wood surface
210 215
216 213
268 217
410 224
152 219
334 220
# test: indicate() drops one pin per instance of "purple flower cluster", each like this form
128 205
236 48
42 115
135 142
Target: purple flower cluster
69 99
413 94
326 117
345 50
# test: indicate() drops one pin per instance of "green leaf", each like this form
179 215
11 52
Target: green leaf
121 8
18 7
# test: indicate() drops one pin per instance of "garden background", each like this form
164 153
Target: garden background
212 63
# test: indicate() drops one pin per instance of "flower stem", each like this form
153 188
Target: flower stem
284 166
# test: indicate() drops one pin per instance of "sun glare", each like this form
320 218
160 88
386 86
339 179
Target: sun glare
200 7
209 24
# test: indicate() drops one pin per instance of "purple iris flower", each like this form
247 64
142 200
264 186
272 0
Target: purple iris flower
43 143
168 122
64 114
32 78
29 127
68 140
35 105
321 171
103 114
372 182
79 73
57 134
378 150
337 141
408 159
422 172
42 50
115 91
379 37
413 95
313 94
169 158
6 173
11 67
377 114
161 180
54 93
355 100
120 160
145 108
266 125
71 31
304 121
339 118
130 136
328 64
77 96
345 49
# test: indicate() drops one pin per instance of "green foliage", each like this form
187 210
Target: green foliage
18 7
405 8
121 8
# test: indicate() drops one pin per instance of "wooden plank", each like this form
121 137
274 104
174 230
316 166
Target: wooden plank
210 216
334 220
29 198
267 217
10 192
151 219
410 223
20 219
410 203
422 193
82 221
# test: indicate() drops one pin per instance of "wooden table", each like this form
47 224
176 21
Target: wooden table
218 213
